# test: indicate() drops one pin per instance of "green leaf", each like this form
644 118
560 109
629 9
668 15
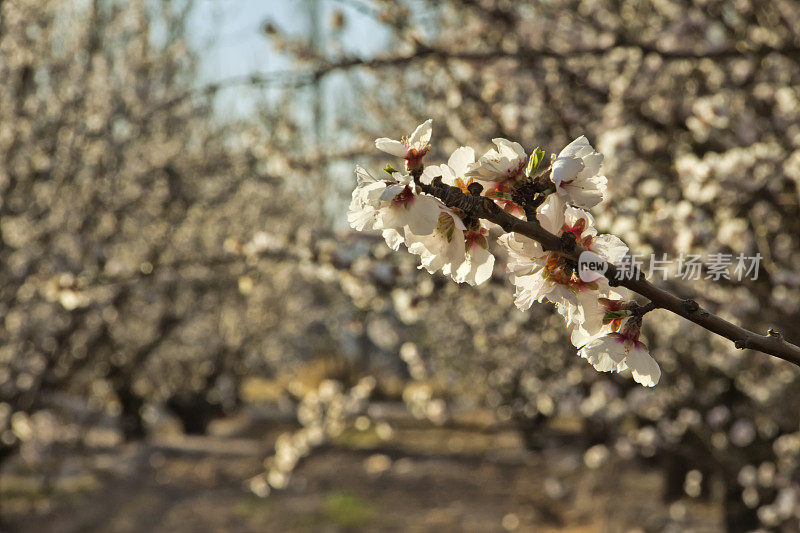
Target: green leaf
503 195
389 169
535 160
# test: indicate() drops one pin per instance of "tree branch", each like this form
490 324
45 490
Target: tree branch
298 78
772 343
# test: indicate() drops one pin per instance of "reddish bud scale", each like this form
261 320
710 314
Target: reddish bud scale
477 237
612 305
502 193
630 331
577 230
404 198
414 157
558 269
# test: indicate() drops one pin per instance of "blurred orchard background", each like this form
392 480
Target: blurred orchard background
193 339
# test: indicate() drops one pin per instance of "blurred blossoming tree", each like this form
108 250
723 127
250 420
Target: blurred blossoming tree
153 254
134 257
694 105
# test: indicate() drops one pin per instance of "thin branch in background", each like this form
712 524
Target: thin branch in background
294 79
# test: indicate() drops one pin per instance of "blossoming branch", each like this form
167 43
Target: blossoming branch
442 214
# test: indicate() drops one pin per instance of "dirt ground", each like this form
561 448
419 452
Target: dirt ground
424 479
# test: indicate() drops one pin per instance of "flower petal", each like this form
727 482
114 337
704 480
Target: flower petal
644 368
422 135
566 169
460 160
390 192
390 146
364 176
592 163
511 150
551 214
606 354
584 192
524 254
610 247
481 264
393 238
576 146
430 172
423 215
532 288
362 218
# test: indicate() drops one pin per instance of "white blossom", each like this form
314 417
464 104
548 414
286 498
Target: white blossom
444 248
365 201
412 148
599 313
505 162
615 352
393 238
539 274
575 174
479 262
458 251
391 206
584 320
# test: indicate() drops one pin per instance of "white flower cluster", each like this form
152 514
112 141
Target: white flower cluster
603 326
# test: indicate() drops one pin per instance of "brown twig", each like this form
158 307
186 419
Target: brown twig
772 343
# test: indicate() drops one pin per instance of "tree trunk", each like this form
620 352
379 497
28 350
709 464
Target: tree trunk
131 421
